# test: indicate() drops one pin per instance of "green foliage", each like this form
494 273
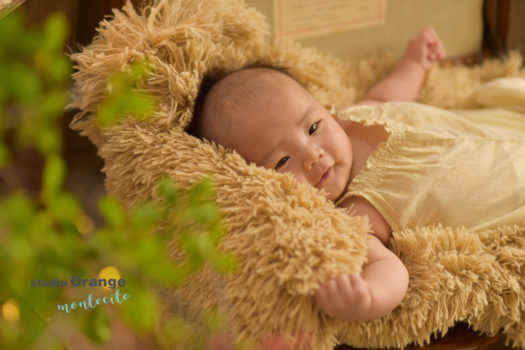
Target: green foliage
125 98
51 237
97 325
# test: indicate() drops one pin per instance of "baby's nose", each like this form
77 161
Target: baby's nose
313 154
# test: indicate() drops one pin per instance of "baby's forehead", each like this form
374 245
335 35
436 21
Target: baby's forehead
259 79
247 87
233 103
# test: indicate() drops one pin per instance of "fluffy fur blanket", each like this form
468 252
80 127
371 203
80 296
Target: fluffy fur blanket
288 237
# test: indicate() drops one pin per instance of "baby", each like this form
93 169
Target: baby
273 121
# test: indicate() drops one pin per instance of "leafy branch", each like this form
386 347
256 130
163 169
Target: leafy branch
52 237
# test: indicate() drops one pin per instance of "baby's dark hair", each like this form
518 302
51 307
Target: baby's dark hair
215 114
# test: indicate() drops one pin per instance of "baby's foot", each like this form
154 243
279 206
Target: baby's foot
425 48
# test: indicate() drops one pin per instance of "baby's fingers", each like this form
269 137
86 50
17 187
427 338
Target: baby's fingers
359 287
326 295
334 295
332 292
344 286
320 296
346 297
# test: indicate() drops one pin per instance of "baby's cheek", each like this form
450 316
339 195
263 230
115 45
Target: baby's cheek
300 177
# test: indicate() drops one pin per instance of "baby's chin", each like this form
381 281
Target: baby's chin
333 194
335 197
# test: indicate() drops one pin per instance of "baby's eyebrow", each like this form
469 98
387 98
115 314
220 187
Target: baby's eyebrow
309 110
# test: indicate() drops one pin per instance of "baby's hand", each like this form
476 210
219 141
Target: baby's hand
347 297
425 48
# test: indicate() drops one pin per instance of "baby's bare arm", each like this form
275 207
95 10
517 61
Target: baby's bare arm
380 288
361 207
386 276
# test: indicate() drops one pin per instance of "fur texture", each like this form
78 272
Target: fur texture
288 237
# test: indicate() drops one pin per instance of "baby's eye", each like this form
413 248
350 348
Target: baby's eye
313 127
281 162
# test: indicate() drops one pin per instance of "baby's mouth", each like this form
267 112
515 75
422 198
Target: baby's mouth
324 177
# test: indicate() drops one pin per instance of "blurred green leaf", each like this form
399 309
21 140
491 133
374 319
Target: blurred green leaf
168 190
132 104
4 154
112 211
142 308
52 103
60 70
20 248
10 24
24 84
176 331
48 140
17 210
65 207
53 176
124 97
97 325
146 215
201 192
55 32
224 263
207 212
139 71
215 320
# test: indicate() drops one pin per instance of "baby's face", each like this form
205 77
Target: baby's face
288 130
